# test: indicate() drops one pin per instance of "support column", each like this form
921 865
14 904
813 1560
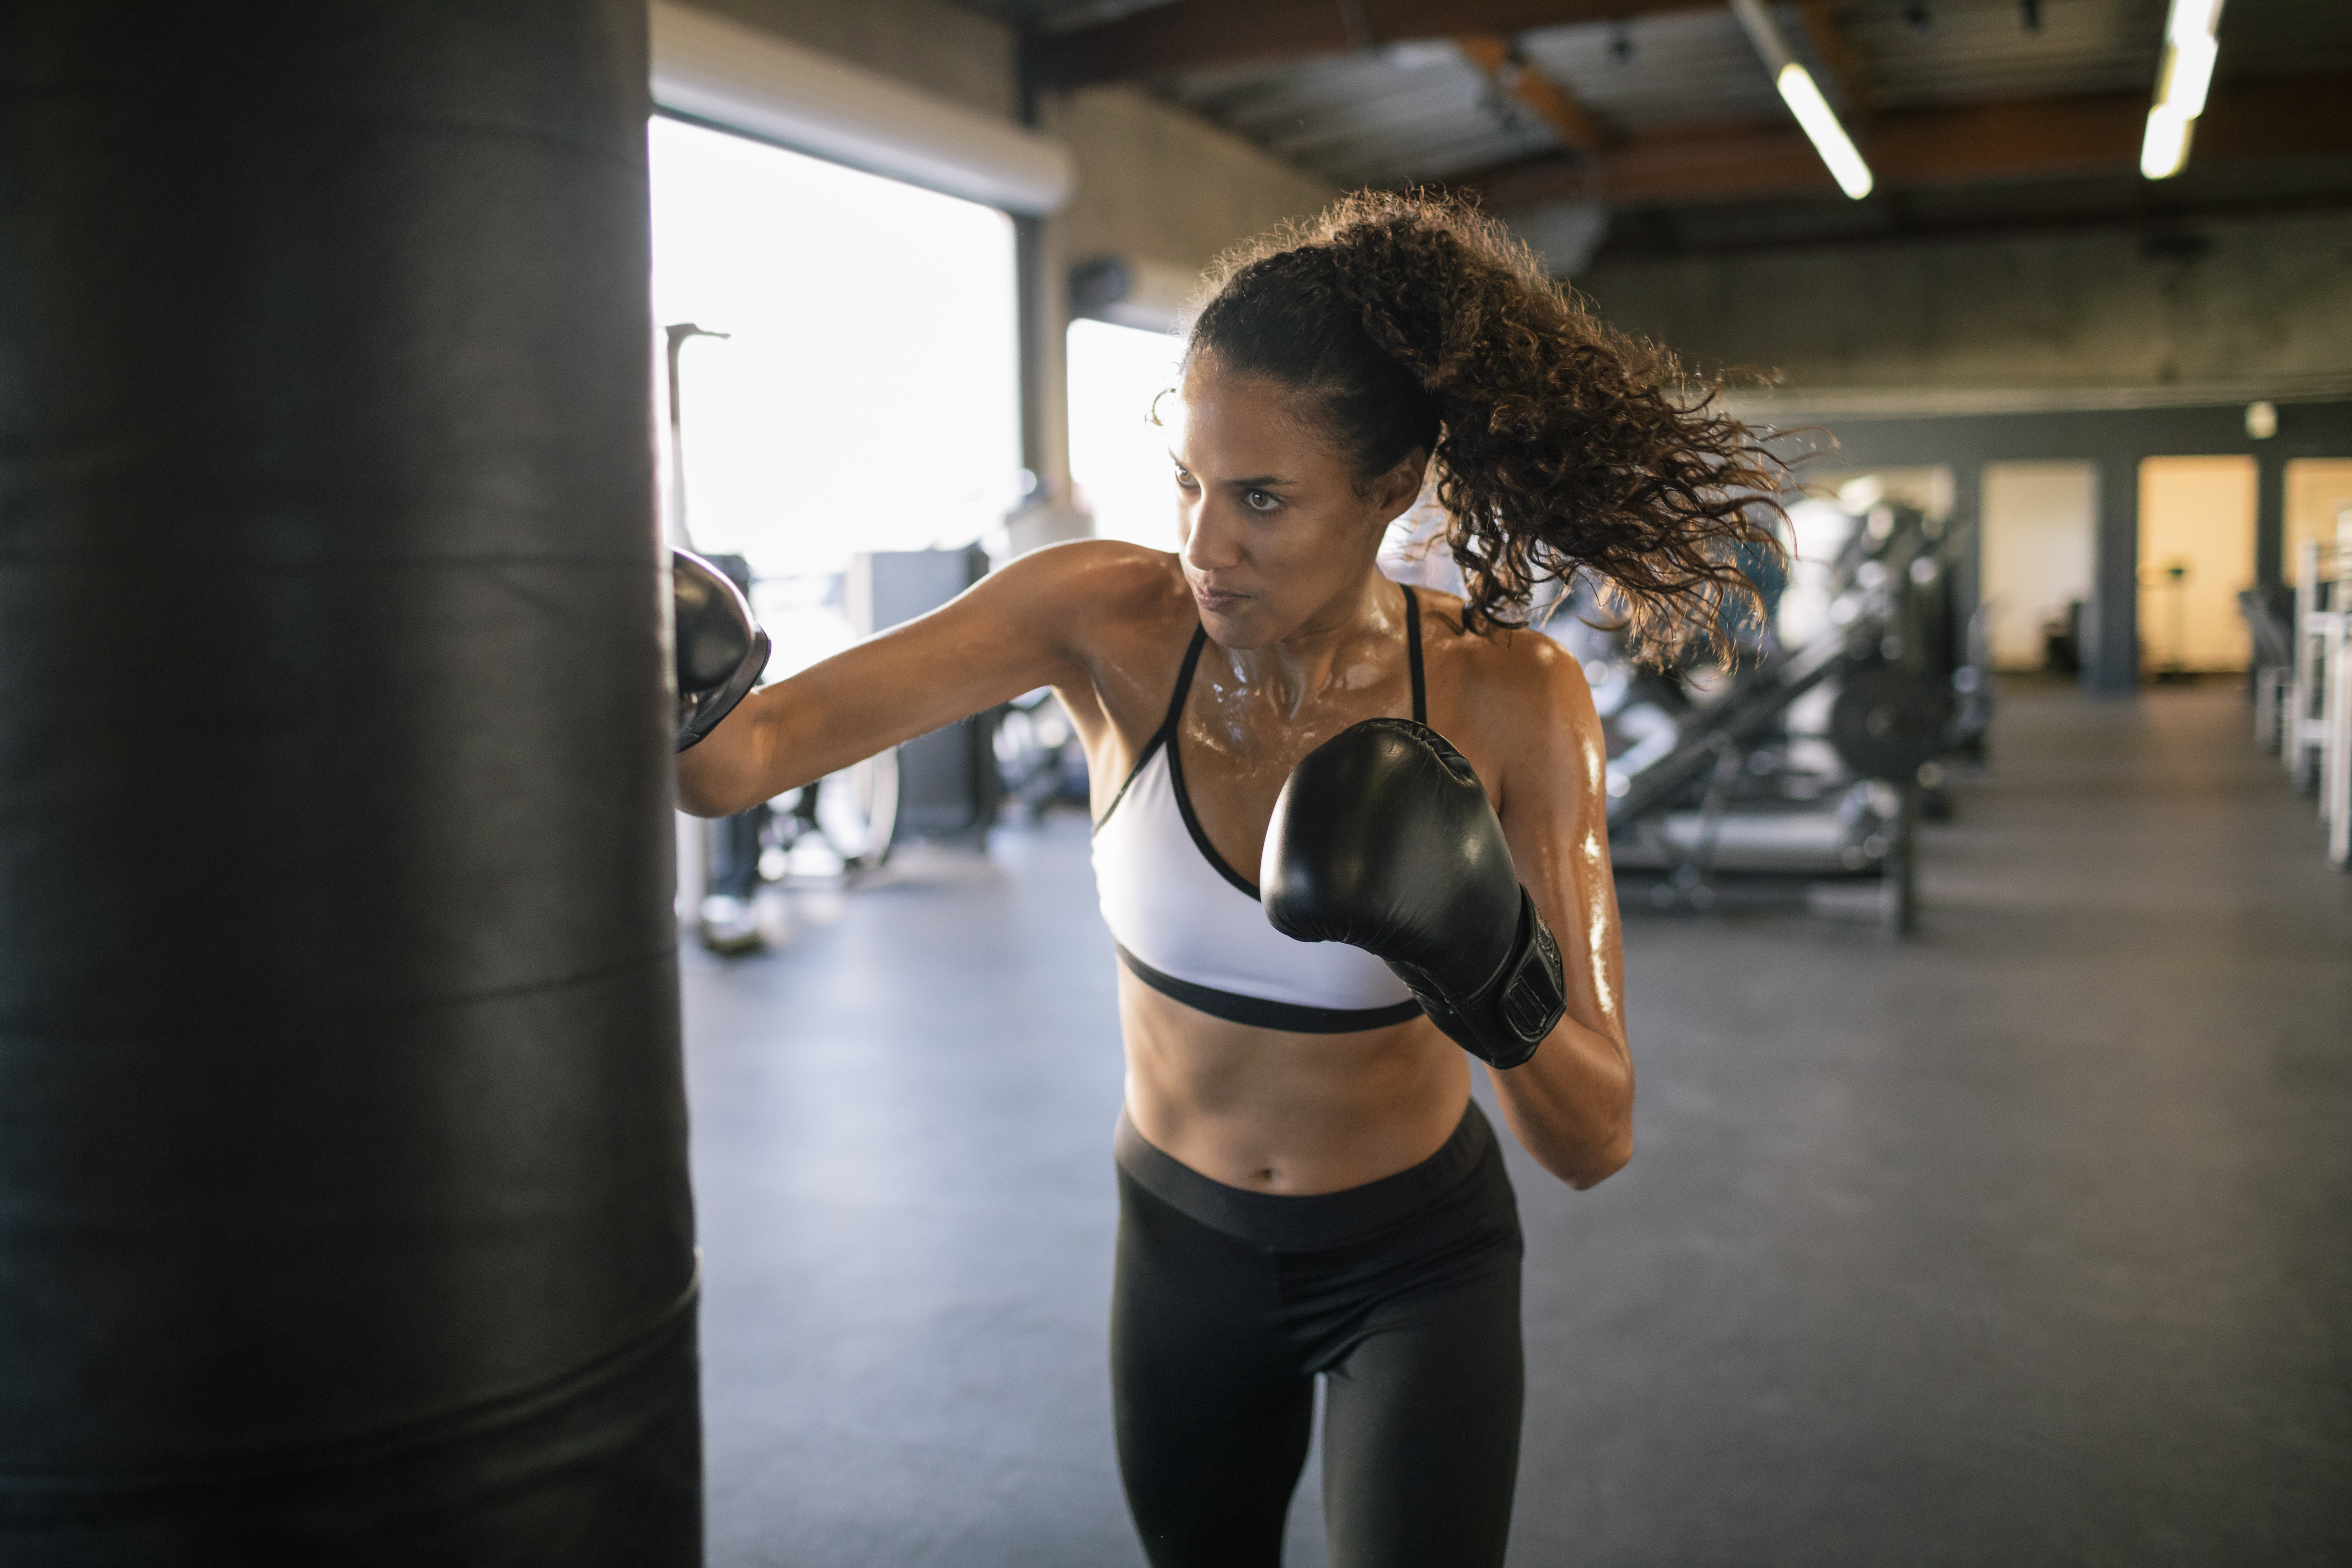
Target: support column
343 1208
2111 654
1049 515
1044 374
2270 519
1968 510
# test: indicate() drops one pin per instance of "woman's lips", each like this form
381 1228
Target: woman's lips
1213 600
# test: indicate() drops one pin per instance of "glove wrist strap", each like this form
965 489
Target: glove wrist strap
1507 1018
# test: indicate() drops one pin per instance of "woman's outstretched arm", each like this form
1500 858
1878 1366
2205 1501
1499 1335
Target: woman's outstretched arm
1015 630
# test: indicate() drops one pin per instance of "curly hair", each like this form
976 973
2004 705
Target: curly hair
1560 447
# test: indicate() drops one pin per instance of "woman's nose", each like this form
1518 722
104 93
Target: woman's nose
1209 545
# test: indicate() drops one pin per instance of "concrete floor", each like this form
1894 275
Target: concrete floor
2029 1241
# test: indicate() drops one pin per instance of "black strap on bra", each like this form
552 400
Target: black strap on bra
1166 734
1412 653
1259 1013
1167 730
1183 686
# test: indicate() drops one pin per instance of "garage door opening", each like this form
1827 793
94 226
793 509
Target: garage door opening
1118 459
867 397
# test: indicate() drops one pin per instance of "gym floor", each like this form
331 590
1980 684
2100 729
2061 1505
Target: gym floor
2024 1242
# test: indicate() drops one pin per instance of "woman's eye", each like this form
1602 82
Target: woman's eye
1183 480
1258 500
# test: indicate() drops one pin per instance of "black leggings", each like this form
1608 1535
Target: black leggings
1403 1293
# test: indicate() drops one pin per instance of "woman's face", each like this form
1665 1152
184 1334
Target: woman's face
1275 532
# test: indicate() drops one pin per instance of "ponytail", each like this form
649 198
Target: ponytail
1562 447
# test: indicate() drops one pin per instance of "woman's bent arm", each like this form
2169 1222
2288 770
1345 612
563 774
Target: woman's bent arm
1571 1104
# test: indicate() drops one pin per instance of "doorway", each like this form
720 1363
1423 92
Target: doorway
2039 523
2196 554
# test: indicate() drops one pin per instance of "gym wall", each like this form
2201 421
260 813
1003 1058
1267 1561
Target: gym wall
2244 308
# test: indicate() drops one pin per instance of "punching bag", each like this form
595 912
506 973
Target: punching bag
343 1208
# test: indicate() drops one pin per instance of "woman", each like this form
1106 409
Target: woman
1305 1185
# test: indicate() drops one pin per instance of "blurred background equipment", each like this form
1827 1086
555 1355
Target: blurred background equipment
947 781
839 829
1039 759
675 337
2303 704
1801 773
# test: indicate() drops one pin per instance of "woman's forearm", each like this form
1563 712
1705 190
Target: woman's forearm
735 766
1570 1105
997 640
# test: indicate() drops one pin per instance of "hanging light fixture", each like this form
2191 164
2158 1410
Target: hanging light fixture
1804 97
2190 47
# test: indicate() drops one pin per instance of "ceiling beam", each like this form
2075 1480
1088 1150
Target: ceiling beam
1973 144
1550 102
1835 51
1198 35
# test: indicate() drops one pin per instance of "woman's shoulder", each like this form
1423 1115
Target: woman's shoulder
1518 697
1101 569
1493 656
1094 588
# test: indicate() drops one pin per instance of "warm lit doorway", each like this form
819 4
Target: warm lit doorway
2196 554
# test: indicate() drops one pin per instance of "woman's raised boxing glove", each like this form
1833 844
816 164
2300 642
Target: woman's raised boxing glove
1383 839
721 650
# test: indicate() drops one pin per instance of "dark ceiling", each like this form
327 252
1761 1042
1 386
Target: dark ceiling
1652 128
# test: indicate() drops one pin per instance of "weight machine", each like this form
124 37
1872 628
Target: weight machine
2310 694
1731 797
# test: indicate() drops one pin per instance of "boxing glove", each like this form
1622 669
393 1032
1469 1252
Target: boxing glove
1383 839
721 650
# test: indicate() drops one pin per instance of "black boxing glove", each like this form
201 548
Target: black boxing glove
721 650
1383 839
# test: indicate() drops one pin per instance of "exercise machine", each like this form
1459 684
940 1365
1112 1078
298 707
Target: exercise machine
1802 775
2316 729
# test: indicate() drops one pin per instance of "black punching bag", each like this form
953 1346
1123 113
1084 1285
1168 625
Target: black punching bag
343 1208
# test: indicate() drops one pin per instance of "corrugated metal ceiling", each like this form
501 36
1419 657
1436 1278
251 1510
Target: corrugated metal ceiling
1421 112
1982 52
1414 111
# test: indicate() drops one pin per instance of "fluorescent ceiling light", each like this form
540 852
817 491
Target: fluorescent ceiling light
2188 75
2192 18
1829 140
2190 47
2165 148
1805 102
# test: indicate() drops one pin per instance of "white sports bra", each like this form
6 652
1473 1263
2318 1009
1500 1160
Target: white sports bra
1190 926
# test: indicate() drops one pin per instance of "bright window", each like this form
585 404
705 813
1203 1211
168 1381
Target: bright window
867 397
1117 456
